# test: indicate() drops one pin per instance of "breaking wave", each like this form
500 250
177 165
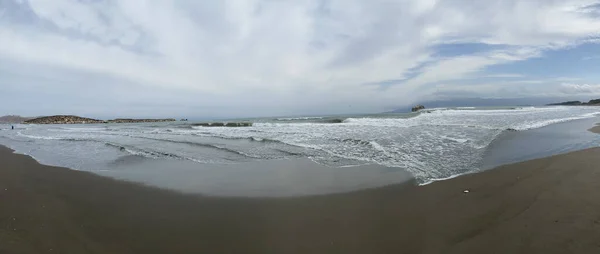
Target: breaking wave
432 144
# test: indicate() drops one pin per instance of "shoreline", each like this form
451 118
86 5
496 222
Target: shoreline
300 177
595 129
546 205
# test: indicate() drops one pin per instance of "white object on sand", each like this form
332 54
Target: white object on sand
466 191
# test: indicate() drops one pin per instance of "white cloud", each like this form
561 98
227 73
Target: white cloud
280 56
580 89
503 75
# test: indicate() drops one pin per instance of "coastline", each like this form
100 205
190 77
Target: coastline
546 205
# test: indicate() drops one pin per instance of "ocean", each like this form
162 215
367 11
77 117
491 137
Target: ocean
308 155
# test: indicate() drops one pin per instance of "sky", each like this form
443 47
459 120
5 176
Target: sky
229 58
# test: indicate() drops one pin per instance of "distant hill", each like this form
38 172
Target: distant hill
62 119
595 102
567 103
491 102
13 119
70 119
476 102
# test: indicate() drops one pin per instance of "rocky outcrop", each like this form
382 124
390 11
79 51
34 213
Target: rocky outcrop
63 119
70 119
417 108
567 103
229 124
238 124
129 120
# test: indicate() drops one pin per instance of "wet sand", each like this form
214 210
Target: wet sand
595 129
548 205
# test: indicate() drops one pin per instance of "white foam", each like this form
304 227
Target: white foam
540 124
458 140
299 118
82 129
431 146
38 137
433 180
377 146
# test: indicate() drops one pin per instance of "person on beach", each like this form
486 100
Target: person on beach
12 127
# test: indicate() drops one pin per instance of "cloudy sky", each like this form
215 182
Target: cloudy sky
215 58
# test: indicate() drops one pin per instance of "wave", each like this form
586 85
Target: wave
251 138
377 146
335 120
149 153
457 140
213 146
298 118
289 153
37 137
57 138
304 120
540 124
354 141
421 121
82 129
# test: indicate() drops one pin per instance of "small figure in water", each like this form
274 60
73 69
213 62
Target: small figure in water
13 127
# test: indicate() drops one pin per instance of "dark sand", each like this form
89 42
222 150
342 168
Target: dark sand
595 129
549 205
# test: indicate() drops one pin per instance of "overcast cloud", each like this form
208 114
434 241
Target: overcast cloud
218 58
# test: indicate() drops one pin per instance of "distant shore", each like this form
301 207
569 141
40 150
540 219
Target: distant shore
70 119
546 205
595 102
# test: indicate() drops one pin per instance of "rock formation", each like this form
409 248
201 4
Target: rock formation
229 124
129 120
63 119
417 108
567 103
70 119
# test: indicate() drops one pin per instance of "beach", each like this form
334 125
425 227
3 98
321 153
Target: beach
546 205
299 127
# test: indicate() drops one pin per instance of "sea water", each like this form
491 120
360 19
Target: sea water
429 145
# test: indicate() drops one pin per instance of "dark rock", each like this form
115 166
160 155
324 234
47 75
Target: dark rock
129 120
417 108
567 103
336 120
229 124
